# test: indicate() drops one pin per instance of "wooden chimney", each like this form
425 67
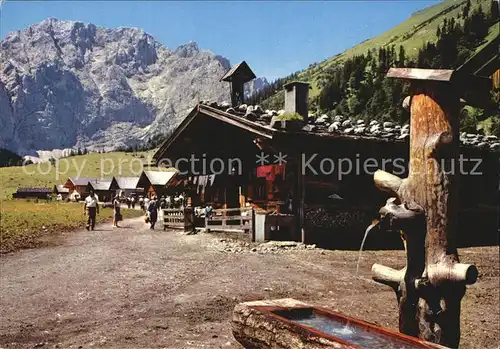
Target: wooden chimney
237 76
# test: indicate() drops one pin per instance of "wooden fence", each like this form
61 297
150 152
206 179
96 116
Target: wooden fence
231 219
173 218
221 219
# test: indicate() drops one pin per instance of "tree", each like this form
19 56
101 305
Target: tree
495 126
494 15
465 10
401 58
468 120
479 25
451 25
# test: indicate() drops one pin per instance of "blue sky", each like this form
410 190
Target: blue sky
274 37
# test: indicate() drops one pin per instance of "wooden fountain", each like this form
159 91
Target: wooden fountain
424 209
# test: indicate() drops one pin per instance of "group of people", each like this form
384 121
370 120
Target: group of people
91 209
149 206
130 201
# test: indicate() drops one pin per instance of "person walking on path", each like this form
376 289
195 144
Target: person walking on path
116 211
91 208
153 212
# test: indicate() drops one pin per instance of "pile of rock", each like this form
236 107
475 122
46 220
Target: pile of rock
236 246
344 126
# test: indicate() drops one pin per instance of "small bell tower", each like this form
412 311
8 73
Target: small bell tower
237 76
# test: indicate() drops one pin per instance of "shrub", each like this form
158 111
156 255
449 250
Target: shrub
289 116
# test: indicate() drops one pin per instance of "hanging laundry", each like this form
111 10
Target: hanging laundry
271 171
279 170
202 181
212 179
265 171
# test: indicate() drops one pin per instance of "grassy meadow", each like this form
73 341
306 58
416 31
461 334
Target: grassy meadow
90 165
23 222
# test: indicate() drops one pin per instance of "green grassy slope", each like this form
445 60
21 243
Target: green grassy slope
418 29
90 165
24 223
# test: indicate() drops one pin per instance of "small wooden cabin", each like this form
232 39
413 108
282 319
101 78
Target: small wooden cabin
156 182
32 193
105 189
59 189
128 186
78 187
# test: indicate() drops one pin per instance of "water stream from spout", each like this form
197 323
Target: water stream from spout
348 329
374 224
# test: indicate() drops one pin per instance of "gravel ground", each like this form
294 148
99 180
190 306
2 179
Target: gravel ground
137 288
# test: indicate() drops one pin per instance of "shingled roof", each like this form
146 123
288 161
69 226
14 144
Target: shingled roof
59 188
159 177
127 182
81 180
239 71
33 190
102 184
485 62
262 123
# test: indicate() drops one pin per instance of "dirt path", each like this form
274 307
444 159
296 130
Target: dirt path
136 288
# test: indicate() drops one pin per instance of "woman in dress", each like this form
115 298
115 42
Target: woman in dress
153 212
116 211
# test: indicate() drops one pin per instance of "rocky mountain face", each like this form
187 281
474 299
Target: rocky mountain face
255 86
66 84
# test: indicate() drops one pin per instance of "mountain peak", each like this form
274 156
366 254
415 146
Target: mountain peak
187 50
65 84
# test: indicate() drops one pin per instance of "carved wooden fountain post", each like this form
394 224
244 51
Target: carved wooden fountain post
424 209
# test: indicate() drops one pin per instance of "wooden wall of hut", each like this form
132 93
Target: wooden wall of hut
209 146
330 221
339 206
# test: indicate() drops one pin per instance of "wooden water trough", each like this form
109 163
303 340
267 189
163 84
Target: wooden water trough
288 323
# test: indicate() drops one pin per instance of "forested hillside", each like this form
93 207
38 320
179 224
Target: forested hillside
353 84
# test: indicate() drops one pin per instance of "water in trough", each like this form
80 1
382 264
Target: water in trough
353 333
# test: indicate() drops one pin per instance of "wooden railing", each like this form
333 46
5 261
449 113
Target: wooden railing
173 218
231 219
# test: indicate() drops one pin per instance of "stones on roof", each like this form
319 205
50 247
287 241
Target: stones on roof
341 125
323 119
309 128
480 141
